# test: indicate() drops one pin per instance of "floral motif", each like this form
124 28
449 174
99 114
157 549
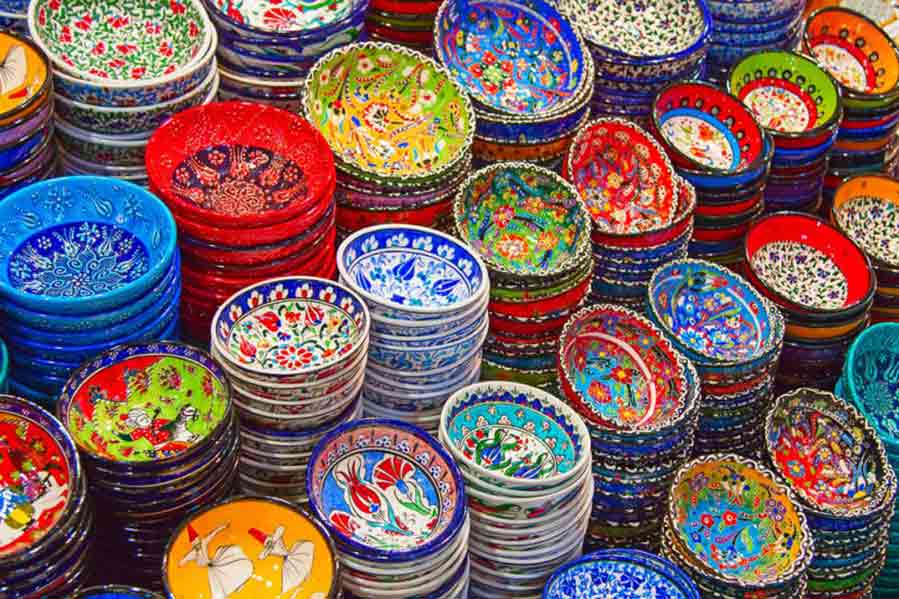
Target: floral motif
630 574
286 15
802 274
873 223
704 140
239 180
874 371
780 105
847 65
78 260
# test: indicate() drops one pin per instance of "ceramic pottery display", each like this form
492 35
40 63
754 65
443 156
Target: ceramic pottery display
525 458
798 103
642 211
401 131
865 210
427 294
119 72
402 22
823 284
868 382
733 335
251 548
115 591
718 146
737 530
267 47
869 81
741 28
621 573
252 190
528 71
155 428
46 531
836 466
639 48
294 350
532 229
640 399
86 263
394 502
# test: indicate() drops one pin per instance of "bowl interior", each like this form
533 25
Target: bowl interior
275 17
598 574
866 209
807 262
28 75
708 127
869 375
487 47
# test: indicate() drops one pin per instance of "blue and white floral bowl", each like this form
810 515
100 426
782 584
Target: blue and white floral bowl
402 358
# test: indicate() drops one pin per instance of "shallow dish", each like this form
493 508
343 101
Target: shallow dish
866 209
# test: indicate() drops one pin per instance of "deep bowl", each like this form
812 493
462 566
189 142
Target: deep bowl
868 381
865 208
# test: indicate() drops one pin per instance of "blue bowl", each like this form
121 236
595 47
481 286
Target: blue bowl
755 11
17 152
869 132
727 24
4 367
532 132
702 180
755 37
870 381
77 245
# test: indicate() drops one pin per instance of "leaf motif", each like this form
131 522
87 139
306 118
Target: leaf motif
103 206
363 281
30 219
156 238
747 540
405 270
444 286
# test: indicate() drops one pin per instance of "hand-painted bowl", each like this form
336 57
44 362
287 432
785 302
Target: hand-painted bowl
294 329
413 274
146 405
486 45
726 496
869 381
388 491
78 245
4 367
866 209
114 591
514 436
389 112
271 169
400 357
523 220
268 20
852 478
705 128
28 87
808 266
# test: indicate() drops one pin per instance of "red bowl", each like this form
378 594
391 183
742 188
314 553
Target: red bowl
405 7
730 209
814 233
722 234
508 326
353 219
568 299
411 37
239 164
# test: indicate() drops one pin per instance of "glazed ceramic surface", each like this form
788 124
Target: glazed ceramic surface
491 48
622 369
522 219
389 111
38 475
250 548
284 17
25 75
866 208
289 326
112 591
623 176
128 40
873 383
143 403
733 517
802 274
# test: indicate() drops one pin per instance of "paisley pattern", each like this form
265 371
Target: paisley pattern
873 223
802 274
239 180
286 15
701 138
77 260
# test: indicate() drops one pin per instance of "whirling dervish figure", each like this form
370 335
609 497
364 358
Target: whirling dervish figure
228 569
297 562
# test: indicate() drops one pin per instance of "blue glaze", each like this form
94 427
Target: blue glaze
19 151
871 379
532 133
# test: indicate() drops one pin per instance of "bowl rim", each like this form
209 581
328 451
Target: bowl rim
289 35
839 201
887 328
128 592
43 94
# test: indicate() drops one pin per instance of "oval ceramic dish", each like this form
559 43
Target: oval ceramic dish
866 209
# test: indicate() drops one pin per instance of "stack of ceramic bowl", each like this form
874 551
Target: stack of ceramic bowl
114 591
866 140
14 17
640 399
733 336
394 502
252 190
743 27
525 458
869 384
533 230
847 491
798 104
120 71
639 48
427 294
4 368
865 209
294 350
405 22
824 285
47 522
737 530
717 145
267 47
642 211
87 263
265 549
400 129
611 572
157 434
528 103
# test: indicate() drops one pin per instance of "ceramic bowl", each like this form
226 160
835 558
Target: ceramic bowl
808 266
203 139
868 383
28 88
258 22
114 591
864 208
116 224
415 359
437 119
